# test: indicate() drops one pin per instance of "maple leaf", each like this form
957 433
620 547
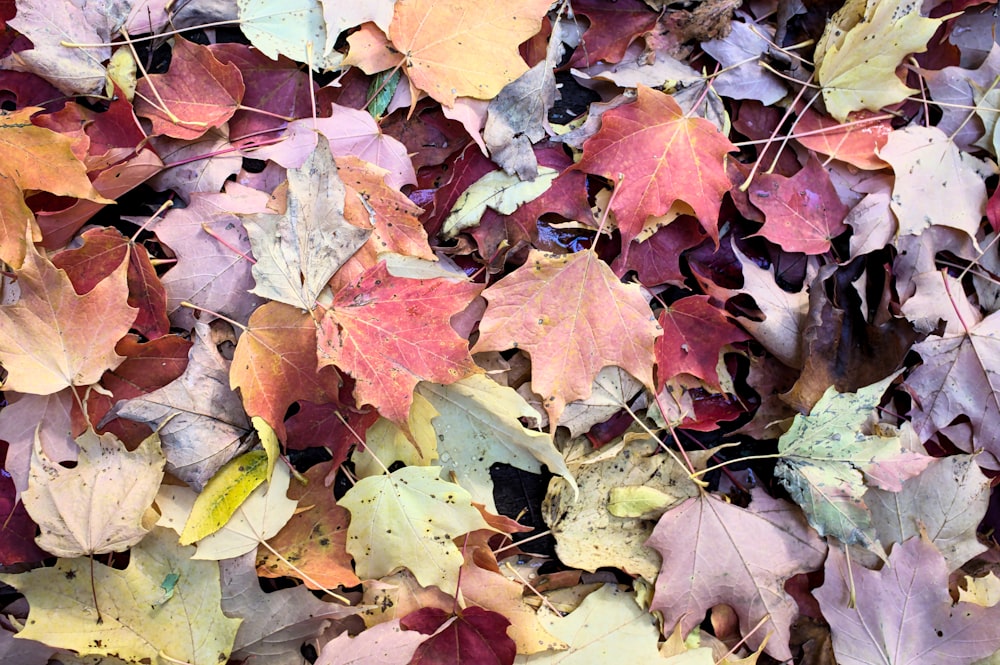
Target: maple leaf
314 538
297 30
826 457
802 213
946 503
298 251
612 28
694 333
409 518
608 626
856 144
575 317
211 244
100 505
17 531
450 49
715 552
926 159
74 70
55 338
477 426
137 621
200 420
958 378
275 624
664 157
275 364
103 250
390 333
863 44
196 94
387 643
590 536
472 635
903 613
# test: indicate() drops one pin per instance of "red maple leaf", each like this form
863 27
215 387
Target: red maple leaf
659 155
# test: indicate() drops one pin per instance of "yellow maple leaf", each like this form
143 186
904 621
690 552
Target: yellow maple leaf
857 56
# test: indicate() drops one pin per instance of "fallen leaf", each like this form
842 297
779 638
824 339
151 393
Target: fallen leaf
607 626
275 626
275 364
802 213
827 458
212 248
130 618
74 70
55 338
102 504
409 518
201 421
390 333
434 37
946 503
498 191
296 29
588 535
662 156
863 44
903 613
196 94
694 334
385 644
299 250
471 635
926 159
715 552
575 317
314 538
477 426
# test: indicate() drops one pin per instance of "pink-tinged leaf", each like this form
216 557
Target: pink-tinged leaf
475 635
694 333
211 245
196 94
277 86
959 377
382 644
574 317
390 333
664 156
17 530
856 142
802 213
49 416
715 552
903 614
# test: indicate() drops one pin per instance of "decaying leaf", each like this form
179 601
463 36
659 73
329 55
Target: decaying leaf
131 619
409 518
101 505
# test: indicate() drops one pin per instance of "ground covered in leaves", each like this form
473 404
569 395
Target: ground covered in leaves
452 331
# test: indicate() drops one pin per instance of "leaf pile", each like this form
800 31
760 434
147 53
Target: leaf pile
299 298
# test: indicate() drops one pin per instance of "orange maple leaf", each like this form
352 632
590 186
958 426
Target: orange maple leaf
574 317
275 364
54 338
662 156
460 49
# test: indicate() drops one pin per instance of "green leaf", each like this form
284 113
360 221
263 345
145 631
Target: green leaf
223 494
827 456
